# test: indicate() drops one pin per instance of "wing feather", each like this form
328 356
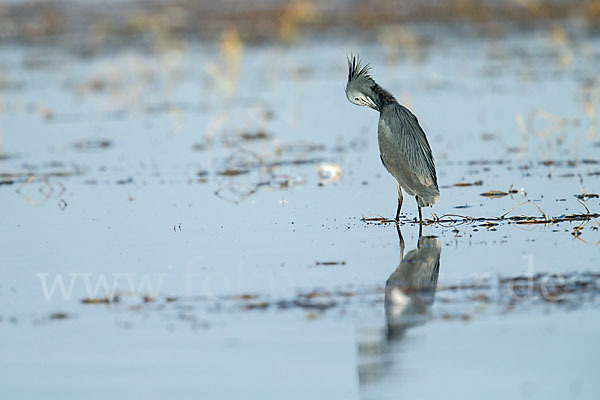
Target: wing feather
411 141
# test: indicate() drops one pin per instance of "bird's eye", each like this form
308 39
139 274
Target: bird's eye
356 98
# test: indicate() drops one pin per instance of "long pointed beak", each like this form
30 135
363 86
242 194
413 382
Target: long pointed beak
372 104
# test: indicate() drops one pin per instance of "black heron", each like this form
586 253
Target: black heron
403 146
409 296
410 289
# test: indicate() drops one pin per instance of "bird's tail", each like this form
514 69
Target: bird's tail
430 198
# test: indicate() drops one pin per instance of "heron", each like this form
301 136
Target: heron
410 289
408 298
403 146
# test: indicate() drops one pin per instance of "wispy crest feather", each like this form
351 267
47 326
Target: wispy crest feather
356 70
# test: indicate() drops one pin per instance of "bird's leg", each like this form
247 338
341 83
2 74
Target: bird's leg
398 210
420 215
401 242
399 204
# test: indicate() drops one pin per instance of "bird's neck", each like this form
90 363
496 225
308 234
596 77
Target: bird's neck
381 97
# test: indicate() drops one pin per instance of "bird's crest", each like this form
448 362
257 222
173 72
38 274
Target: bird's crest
356 71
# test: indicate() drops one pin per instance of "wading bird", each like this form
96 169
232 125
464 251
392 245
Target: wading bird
410 289
403 146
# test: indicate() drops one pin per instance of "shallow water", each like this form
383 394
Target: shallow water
181 191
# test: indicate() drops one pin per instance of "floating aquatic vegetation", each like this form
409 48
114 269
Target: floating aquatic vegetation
244 162
124 181
574 289
233 172
261 305
302 147
242 127
245 137
300 161
202 176
58 316
465 184
236 191
500 193
584 196
489 222
487 162
46 112
463 206
34 173
486 136
245 296
99 84
104 300
92 145
330 263
258 135
494 193
201 146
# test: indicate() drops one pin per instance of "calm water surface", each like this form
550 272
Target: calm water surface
189 182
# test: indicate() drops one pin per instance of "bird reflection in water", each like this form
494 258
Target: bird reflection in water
410 289
409 295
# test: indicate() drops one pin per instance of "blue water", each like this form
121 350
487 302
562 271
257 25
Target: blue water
149 214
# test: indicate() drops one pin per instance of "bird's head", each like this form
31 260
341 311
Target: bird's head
360 84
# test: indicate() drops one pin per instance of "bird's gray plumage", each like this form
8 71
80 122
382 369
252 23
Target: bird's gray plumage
404 149
410 289
409 296
406 154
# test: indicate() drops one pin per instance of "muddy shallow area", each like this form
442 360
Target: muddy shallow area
209 219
